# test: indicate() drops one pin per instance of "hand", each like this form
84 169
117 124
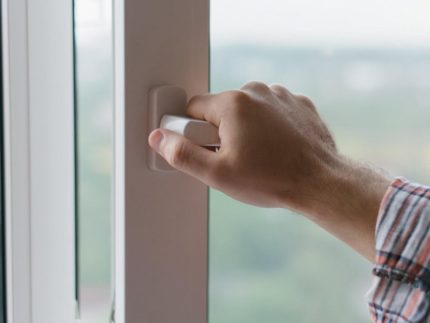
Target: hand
273 145
277 152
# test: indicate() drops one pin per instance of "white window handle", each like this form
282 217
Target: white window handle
167 110
200 132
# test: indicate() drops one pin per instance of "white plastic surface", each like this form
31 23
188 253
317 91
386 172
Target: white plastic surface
161 219
39 156
200 132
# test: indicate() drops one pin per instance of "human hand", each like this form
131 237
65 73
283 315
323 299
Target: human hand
277 152
274 145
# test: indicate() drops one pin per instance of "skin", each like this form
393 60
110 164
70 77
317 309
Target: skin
277 152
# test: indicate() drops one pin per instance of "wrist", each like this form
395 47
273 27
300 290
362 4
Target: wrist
346 202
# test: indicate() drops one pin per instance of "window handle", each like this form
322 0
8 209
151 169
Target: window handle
200 132
167 106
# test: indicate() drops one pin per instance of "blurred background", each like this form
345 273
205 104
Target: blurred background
94 161
365 64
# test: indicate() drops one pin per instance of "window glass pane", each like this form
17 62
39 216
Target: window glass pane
94 135
366 65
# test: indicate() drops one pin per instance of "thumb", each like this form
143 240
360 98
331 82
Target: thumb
181 153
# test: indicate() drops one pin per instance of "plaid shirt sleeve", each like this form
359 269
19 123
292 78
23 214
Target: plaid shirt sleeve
401 288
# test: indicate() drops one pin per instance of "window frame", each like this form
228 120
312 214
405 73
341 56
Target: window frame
39 160
161 274
2 211
156 281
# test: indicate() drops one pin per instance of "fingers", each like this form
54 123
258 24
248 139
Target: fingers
280 90
205 107
284 92
307 103
182 154
257 87
212 107
262 89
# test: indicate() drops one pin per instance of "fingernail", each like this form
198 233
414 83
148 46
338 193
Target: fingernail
155 139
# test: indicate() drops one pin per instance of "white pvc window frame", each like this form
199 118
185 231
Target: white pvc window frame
161 226
161 218
39 160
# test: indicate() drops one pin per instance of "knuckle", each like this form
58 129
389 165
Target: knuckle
306 101
195 99
238 97
256 86
278 88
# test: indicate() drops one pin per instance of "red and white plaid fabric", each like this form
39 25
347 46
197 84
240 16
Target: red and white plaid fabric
401 290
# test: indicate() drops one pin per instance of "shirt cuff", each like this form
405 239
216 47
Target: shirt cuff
402 270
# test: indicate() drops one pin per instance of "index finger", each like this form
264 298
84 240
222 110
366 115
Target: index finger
211 107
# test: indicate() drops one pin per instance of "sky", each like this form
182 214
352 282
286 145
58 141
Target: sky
343 23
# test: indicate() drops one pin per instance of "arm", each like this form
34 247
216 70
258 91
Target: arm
277 152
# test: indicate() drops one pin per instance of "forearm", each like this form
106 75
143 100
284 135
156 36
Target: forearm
346 203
